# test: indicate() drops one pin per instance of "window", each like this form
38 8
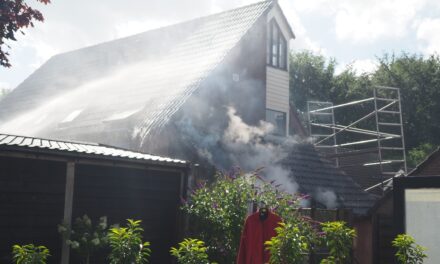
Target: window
276 47
278 120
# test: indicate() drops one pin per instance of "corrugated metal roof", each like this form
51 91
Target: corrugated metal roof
13 141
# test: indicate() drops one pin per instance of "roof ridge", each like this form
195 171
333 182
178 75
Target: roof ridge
192 20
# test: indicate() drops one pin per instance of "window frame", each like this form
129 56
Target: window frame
270 43
284 129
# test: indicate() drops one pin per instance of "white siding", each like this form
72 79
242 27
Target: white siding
277 91
277 81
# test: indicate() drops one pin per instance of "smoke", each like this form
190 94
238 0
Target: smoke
239 144
327 198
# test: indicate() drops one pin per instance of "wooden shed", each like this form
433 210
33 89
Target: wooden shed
43 182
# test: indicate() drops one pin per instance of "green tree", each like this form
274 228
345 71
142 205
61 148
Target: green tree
15 15
191 251
408 252
30 254
219 210
126 244
290 245
83 237
418 79
311 78
418 154
338 239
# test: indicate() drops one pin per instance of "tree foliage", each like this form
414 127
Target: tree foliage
219 209
312 77
191 251
126 244
14 16
30 254
338 239
84 238
408 252
289 245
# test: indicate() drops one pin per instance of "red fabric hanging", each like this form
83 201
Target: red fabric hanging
255 233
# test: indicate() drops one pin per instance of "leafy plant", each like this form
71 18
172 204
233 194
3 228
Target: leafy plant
30 254
126 244
219 209
83 237
418 154
191 251
338 238
408 252
289 246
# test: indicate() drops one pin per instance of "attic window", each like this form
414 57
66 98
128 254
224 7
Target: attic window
276 46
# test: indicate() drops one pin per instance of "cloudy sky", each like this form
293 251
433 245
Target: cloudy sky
352 31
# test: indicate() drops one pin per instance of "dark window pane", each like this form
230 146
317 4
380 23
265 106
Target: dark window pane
278 120
283 55
275 39
268 43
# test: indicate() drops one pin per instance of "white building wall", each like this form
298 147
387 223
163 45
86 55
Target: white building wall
277 80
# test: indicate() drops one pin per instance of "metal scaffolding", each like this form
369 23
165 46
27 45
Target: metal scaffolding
377 129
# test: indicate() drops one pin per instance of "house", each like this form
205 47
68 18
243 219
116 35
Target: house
198 91
387 215
44 181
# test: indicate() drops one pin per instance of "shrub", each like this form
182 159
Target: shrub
219 209
191 251
289 246
83 237
126 244
338 239
408 252
30 254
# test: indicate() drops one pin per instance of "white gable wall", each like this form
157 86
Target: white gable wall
277 80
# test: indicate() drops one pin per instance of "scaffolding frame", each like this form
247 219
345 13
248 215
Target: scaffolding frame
386 115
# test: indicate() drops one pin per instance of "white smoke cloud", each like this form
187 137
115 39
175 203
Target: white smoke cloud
327 198
247 148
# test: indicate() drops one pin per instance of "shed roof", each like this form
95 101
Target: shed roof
80 149
316 175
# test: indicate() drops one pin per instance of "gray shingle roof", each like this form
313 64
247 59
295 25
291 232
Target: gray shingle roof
315 174
13 142
161 69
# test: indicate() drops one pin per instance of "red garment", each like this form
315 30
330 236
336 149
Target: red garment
255 233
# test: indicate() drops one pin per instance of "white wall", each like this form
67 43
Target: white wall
277 80
422 219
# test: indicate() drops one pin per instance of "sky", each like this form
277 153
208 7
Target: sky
354 32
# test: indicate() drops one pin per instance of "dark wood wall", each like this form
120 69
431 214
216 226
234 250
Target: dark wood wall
32 194
31 204
122 193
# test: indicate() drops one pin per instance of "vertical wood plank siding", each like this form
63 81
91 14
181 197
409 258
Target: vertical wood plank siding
31 204
121 193
32 194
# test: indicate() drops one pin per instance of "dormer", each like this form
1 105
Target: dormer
278 36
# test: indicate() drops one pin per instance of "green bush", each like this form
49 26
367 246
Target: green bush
191 251
408 252
83 237
338 239
219 210
30 254
289 246
126 244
